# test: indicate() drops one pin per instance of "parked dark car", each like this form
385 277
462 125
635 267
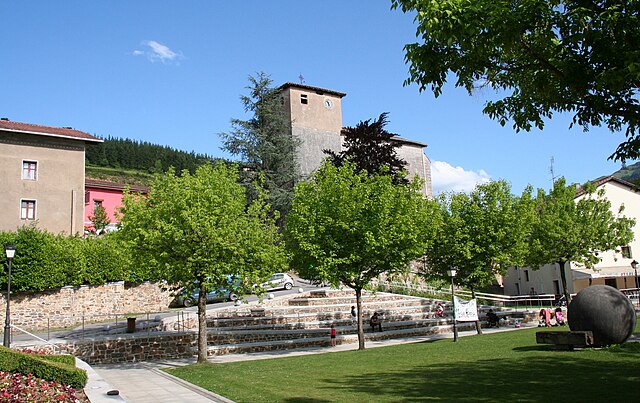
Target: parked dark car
190 298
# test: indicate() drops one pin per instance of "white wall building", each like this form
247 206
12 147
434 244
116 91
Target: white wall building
614 268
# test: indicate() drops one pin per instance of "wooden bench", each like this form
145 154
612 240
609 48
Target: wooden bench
566 339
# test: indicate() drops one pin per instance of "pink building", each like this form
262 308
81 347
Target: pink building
107 195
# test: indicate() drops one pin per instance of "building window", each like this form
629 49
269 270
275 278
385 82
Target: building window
626 251
303 99
28 210
526 275
29 170
97 203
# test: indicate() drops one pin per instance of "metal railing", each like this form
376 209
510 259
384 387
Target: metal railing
528 301
35 337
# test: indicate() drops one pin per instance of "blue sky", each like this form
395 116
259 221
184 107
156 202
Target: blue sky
171 73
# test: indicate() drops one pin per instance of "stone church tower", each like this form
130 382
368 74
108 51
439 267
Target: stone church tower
315 116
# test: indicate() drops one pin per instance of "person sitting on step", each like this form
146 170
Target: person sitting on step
493 319
559 317
375 321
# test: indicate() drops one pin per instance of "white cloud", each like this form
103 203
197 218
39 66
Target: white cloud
446 177
155 51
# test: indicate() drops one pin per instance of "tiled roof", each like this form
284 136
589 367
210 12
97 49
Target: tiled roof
396 139
102 184
604 179
63 132
311 88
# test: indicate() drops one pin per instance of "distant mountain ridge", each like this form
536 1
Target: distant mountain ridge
630 173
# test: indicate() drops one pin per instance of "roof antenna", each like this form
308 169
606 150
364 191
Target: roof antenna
301 77
551 170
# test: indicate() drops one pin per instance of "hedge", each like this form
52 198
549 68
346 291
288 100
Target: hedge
46 368
45 261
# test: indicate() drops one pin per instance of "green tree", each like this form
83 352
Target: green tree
581 57
369 146
348 227
197 229
570 230
264 143
483 233
100 219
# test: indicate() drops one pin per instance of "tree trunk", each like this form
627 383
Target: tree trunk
563 276
202 325
478 325
360 321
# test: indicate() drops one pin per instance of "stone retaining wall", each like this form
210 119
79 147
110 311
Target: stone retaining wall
68 306
131 348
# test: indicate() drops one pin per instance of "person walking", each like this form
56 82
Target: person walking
354 316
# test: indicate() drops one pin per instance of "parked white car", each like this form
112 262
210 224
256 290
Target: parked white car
279 281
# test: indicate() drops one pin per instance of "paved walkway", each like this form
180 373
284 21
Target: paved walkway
146 383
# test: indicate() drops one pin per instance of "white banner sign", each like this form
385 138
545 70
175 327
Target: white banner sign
466 311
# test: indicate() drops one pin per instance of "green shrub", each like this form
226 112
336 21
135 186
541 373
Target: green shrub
66 359
44 260
45 368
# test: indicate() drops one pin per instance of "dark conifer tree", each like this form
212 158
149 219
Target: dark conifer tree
265 145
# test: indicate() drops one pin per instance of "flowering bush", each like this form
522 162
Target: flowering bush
19 388
35 350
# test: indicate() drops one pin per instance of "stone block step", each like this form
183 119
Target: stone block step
324 340
371 306
310 320
411 327
343 300
263 335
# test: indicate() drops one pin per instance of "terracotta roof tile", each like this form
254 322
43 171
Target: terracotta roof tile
103 184
311 88
47 130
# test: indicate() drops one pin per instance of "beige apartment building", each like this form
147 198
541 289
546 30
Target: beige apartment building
42 177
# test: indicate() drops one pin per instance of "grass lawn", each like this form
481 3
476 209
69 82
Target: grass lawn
494 367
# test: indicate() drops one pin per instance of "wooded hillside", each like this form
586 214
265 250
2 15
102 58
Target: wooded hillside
142 156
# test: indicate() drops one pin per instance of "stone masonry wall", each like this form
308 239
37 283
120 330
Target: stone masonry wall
68 306
126 348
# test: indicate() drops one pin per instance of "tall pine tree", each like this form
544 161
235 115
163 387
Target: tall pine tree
264 144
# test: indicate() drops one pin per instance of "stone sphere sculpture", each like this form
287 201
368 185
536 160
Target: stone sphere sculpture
605 311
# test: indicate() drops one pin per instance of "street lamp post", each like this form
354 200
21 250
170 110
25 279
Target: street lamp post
452 273
10 250
634 264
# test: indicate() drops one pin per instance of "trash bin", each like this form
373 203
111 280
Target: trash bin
131 325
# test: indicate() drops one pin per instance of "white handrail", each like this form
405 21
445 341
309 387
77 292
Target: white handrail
514 299
34 336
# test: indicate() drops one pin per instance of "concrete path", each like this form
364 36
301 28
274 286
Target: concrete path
146 383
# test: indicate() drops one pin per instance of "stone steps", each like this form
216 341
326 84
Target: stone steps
324 340
251 335
310 320
333 310
341 308
254 335
291 319
305 321
344 300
